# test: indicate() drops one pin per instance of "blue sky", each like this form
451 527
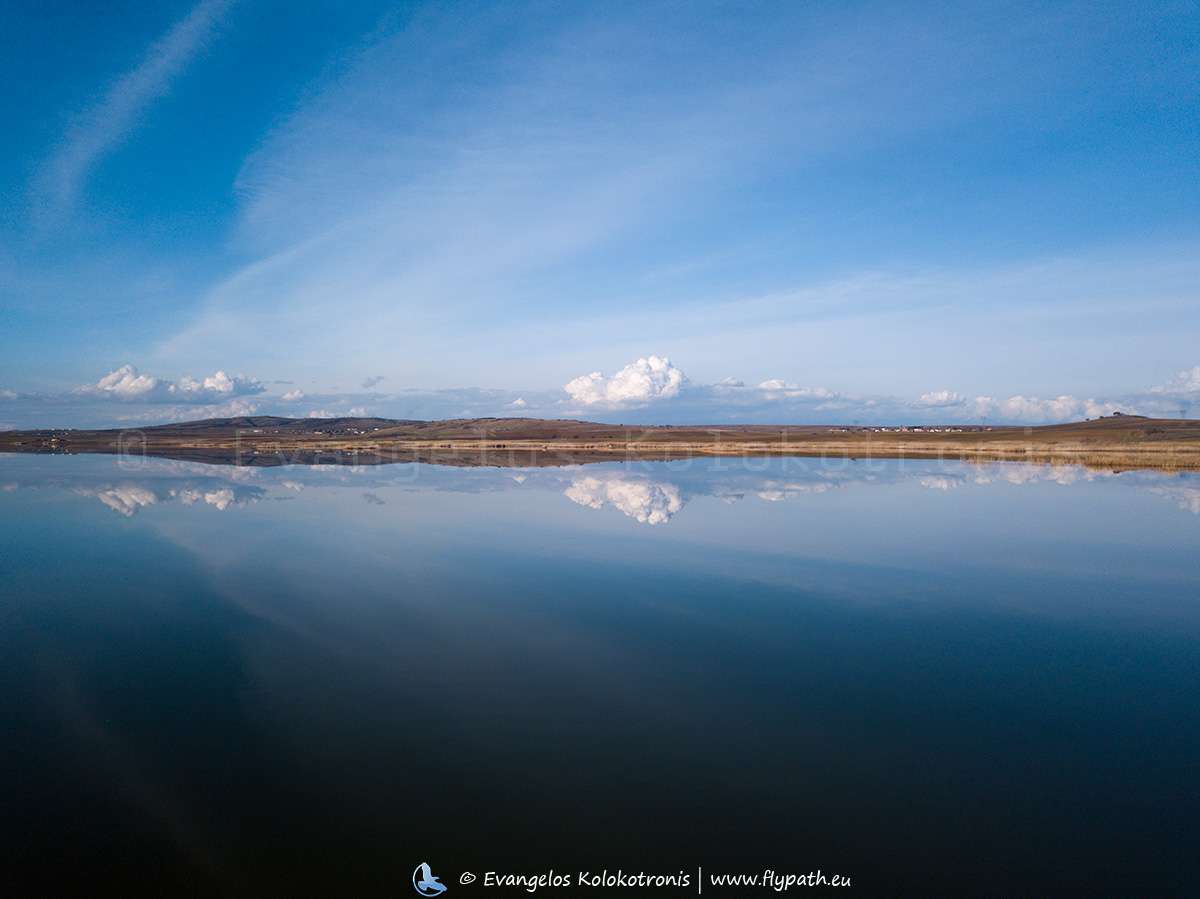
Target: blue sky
676 212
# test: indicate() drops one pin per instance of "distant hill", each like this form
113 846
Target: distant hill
277 424
1116 440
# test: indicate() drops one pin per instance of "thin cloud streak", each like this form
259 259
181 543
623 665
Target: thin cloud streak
99 130
413 216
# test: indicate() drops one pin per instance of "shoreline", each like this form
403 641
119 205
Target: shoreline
1119 441
524 453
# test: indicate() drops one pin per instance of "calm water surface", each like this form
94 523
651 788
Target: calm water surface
935 677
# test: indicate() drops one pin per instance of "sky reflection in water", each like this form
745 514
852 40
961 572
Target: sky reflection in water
900 669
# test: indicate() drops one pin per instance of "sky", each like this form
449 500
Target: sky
685 212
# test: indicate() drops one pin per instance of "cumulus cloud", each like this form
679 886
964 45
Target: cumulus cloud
1184 382
1187 498
937 399
352 412
776 388
1034 410
124 383
778 491
941 482
220 499
651 390
218 386
648 379
127 384
1020 473
777 399
124 499
645 501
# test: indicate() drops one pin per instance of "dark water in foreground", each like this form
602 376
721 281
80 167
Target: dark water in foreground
932 677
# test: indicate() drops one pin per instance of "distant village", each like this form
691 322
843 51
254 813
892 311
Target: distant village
912 429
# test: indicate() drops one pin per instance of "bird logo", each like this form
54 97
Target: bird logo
425 883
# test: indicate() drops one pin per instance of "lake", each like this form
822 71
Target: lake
929 676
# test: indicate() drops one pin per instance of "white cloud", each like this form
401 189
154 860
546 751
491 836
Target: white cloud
352 412
632 393
778 491
649 502
442 204
216 386
220 499
232 409
1029 473
651 390
128 499
102 128
1184 382
941 482
648 379
1060 408
1097 408
776 388
124 499
1187 498
939 398
127 384
124 383
1034 410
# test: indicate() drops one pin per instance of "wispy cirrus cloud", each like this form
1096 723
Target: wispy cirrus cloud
103 127
509 195
445 178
